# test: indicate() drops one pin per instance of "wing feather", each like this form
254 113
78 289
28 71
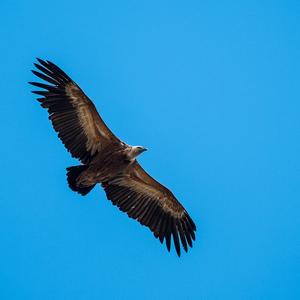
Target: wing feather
73 115
144 199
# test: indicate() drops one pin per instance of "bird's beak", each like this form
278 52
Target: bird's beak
144 149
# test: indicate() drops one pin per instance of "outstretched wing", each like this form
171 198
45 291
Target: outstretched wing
146 200
72 113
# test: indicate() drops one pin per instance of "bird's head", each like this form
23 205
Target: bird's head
137 150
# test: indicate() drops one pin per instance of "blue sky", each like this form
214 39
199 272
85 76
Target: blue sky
212 89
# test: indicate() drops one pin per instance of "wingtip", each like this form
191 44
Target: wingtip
193 235
168 244
192 223
41 93
36 65
39 60
185 247
49 62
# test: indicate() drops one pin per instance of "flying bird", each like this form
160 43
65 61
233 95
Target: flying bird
106 160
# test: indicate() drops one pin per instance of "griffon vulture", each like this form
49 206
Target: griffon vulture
107 160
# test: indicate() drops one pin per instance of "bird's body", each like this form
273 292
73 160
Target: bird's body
109 161
108 164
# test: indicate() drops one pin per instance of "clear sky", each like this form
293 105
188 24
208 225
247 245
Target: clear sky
212 88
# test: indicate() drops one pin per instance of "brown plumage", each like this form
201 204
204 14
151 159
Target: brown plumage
108 161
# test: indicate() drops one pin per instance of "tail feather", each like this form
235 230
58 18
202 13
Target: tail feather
72 175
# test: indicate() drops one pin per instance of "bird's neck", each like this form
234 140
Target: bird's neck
132 152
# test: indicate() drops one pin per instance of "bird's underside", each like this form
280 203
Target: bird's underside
109 161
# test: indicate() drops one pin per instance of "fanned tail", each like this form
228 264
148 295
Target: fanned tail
72 175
